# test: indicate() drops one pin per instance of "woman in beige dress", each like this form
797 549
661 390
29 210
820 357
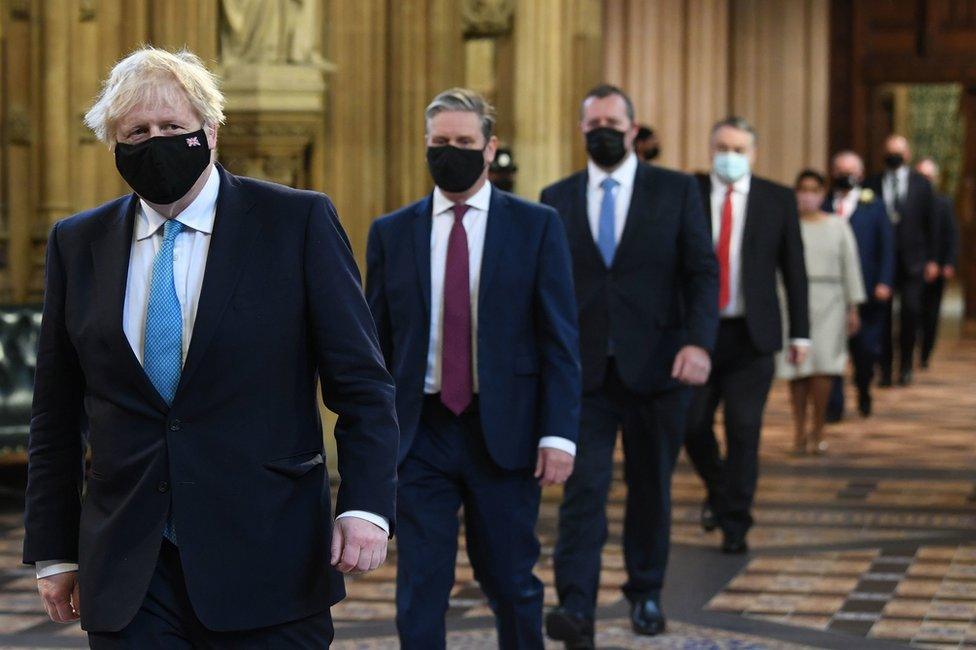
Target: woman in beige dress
836 288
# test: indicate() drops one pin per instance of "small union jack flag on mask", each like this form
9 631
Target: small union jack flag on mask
193 142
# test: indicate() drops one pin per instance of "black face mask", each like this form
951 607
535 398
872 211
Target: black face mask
163 169
894 160
505 184
605 146
454 169
651 154
844 183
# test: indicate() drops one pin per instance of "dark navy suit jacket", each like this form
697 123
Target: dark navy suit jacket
875 242
239 452
528 346
661 291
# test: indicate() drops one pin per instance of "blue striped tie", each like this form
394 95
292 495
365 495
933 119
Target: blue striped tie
606 239
163 352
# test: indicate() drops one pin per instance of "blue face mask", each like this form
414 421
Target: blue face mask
730 166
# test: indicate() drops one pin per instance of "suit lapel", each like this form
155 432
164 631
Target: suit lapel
579 216
705 189
753 199
422 225
110 260
235 230
640 203
496 232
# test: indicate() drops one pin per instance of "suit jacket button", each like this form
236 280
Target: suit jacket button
163 486
175 425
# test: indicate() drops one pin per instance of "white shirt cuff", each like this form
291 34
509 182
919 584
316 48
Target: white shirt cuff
562 444
48 568
376 520
800 343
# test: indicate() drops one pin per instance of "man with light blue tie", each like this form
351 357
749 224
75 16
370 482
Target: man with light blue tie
647 289
205 517
472 294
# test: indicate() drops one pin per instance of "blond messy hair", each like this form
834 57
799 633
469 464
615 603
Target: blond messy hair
148 74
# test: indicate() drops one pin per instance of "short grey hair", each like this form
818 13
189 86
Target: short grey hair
736 122
463 100
147 73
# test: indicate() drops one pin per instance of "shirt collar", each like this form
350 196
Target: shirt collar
741 186
199 215
624 174
480 200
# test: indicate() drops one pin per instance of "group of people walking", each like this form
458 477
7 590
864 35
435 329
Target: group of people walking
498 348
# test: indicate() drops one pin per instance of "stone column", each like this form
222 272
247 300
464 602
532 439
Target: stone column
558 56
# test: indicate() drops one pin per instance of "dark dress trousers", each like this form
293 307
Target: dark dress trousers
742 366
876 248
948 252
238 456
483 460
659 294
917 236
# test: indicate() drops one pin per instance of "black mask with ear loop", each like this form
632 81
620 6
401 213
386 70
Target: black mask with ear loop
163 169
455 169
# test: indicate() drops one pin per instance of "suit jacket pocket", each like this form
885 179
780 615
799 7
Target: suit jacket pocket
527 364
296 466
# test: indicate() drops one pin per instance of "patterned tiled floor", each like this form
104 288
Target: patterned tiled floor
872 545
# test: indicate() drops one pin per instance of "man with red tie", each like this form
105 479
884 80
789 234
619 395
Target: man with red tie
472 292
756 231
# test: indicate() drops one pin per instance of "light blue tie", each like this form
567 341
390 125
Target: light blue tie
163 353
606 239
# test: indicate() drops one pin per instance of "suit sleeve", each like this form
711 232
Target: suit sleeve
376 291
55 448
355 382
793 269
699 271
950 234
558 334
886 246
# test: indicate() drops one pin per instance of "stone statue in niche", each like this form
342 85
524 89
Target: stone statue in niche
270 32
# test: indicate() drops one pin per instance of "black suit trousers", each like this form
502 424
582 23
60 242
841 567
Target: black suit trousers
910 289
653 427
931 307
166 621
740 381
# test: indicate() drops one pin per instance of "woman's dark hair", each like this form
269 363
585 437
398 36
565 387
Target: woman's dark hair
810 173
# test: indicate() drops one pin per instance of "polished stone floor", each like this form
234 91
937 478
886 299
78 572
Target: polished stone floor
872 545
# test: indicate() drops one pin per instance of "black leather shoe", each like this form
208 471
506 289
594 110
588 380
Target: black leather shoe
571 628
734 543
833 417
708 520
864 405
906 378
885 381
646 618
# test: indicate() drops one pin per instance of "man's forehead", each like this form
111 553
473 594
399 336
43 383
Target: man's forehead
603 105
731 134
455 121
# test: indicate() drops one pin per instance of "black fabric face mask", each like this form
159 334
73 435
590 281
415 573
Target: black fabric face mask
454 169
894 160
163 169
505 184
844 183
651 154
605 146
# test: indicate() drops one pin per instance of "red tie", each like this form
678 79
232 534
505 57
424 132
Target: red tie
456 374
724 241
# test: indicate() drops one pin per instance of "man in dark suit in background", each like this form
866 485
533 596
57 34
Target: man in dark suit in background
875 237
948 252
472 292
192 364
646 286
756 230
910 205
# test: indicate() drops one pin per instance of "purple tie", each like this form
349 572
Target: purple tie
456 374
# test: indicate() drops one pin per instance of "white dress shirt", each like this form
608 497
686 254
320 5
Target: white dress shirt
740 194
624 191
846 204
475 222
190 250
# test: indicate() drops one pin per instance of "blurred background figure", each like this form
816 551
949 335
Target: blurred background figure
948 251
875 237
908 198
646 145
835 291
501 173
